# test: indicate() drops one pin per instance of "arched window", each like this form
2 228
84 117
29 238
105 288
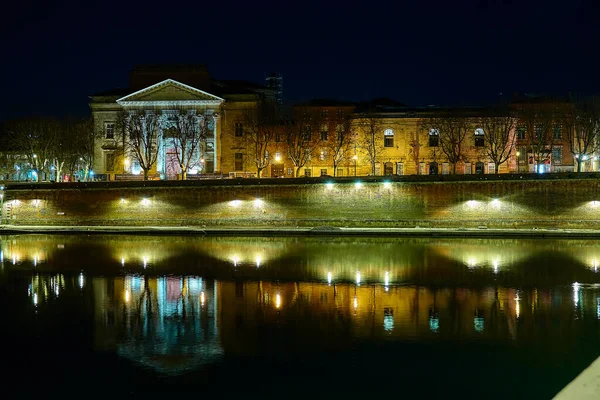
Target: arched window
479 137
388 138
434 137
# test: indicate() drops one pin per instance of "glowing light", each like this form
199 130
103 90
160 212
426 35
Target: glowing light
387 185
277 158
594 203
35 261
472 203
145 201
235 260
576 293
496 263
145 260
202 298
355 302
127 295
122 261
386 280
81 280
329 185
595 265
258 261
35 299
16 202
358 185
354 157
36 202
258 203
126 162
472 262
122 200
358 278
14 259
235 203
329 277
518 305
277 300
478 324
495 203
434 324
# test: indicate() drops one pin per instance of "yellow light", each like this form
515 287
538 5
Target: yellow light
235 203
358 185
258 261
122 200
594 203
36 202
126 162
122 261
496 203
235 260
387 185
277 300
471 203
496 263
16 202
277 158
127 296
387 278
355 302
355 157
358 277
329 185
329 277
518 153
202 298
258 203
145 201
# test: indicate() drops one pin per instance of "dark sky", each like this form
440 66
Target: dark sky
419 53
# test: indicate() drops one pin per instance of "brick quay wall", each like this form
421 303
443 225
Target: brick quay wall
505 201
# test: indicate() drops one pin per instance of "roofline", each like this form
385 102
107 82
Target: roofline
168 81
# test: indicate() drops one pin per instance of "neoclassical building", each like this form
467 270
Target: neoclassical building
165 90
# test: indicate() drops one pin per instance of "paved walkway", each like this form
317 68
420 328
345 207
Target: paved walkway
307 231
585 386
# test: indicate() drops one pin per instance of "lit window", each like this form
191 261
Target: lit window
324 172
557 155
520 132
557 131
479 137
307 134
323 155
109 130
324 133
388 138
434 137
307 172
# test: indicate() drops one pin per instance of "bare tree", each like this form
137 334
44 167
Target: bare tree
341 144
499 137
36 140
452 131
583 130
141 135
76 148
369 138
415 149
538 121
299 139
187 130
261 124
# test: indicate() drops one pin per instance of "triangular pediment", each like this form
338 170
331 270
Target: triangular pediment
169 91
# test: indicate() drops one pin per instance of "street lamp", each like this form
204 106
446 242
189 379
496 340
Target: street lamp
355 157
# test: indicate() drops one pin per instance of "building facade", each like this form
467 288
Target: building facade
247 134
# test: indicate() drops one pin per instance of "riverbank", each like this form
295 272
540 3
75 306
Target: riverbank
302 231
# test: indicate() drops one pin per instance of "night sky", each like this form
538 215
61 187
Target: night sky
419 53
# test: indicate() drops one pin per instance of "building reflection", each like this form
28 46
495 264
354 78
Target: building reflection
173 324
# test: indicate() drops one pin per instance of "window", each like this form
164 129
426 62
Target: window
266 154
239 129
324 113
434 137
491 168
324 172
306 132
307 172
340 172
324 133
539 130
277 157
433 168
109 162
557 155
308 154
388 138
239 162
388 168
277 137
323 155
479 168
479 137
109 130
557 131
520 132
400 168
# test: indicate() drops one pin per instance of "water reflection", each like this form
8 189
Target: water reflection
175 304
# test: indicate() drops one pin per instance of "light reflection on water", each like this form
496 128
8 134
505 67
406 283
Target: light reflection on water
177 304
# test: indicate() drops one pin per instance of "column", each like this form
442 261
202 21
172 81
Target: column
216 137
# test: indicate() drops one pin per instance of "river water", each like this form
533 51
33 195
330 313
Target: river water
276 317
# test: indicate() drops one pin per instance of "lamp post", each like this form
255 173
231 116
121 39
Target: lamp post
355 157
